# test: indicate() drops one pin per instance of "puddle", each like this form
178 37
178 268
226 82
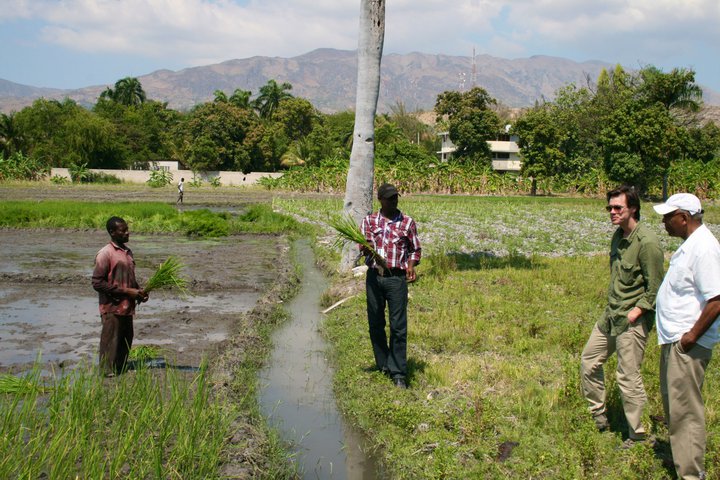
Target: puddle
296 390
64 324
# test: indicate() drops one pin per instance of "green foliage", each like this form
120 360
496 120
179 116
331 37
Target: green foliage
633 126
196 182
270 96
128 91
219 136
160 178
19 167
59 180
215 181
168 276
471 122
164 426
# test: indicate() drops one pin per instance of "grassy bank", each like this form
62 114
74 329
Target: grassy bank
508 293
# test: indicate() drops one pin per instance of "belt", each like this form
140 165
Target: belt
391 272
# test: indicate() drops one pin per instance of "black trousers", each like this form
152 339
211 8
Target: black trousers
115 342
391 291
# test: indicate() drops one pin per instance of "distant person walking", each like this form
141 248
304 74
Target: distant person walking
181 189
688 304
636 269
118 291
394 237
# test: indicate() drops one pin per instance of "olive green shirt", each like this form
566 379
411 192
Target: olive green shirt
636 272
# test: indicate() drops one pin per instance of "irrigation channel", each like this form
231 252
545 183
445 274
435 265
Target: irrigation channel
296 389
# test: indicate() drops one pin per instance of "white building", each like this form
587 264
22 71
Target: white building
505 151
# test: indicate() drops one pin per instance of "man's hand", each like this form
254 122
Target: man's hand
137 294
687 342
410 274
634 314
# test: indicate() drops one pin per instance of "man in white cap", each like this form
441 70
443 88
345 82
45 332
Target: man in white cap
687 306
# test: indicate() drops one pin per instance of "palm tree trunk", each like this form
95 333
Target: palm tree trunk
359 185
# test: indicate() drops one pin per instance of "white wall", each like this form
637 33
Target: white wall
142 176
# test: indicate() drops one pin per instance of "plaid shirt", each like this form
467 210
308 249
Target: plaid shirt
114 267
396 240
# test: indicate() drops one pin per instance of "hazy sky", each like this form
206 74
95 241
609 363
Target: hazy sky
77 43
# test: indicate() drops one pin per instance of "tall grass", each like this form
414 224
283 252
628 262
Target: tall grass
139 425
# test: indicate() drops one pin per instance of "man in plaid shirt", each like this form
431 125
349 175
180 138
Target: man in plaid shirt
394 238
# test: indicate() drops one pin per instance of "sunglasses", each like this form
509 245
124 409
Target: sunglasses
615 208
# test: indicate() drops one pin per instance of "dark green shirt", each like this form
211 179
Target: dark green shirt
636 272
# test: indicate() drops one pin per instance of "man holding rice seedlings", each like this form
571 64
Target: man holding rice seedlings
393 237
118 291
636 270
688 305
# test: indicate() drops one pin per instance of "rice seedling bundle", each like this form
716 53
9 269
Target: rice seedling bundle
168 275
18 385
349 232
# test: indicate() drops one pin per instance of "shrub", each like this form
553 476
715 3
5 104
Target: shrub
160 178
20 167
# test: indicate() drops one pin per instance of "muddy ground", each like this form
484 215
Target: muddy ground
48 307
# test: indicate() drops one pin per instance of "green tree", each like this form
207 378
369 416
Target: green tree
60 134
471 122
218 136
128 91
270 96
10 136
241 98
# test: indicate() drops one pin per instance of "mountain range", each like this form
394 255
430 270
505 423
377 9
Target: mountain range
327 78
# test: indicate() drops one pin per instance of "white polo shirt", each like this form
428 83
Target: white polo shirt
692 279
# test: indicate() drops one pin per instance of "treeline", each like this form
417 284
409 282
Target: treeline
641 127
236 132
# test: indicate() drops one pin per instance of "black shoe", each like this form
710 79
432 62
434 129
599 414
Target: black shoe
399 382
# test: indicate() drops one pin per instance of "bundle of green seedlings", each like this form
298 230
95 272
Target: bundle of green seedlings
11 384
349 232
168 275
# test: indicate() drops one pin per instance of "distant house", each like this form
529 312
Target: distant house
167 165
505 151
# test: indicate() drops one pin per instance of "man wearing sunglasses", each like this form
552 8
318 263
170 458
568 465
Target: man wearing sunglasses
688 304
636 269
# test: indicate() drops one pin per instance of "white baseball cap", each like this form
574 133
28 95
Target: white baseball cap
680 201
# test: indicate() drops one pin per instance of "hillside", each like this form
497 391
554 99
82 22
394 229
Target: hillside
327 78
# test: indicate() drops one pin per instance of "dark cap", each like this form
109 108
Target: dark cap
386 191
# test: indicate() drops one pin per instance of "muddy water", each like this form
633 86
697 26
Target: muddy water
297 394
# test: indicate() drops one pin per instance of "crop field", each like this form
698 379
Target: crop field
507 295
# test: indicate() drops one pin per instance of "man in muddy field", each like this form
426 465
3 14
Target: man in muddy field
688 305
394 237
118 291
636 270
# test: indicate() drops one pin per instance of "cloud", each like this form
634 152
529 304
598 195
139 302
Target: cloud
193 32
